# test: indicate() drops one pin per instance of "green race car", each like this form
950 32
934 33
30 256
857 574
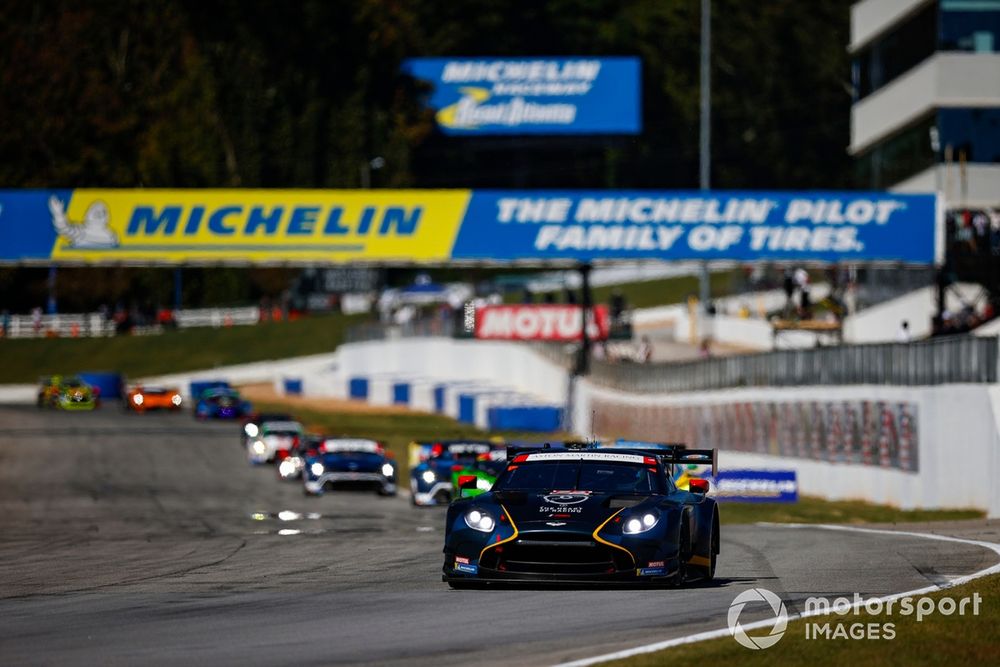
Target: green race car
66 393
486 469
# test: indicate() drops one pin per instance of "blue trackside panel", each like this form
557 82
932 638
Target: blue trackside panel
108 384
467 408
199 387
293 386
401 393
358 388
539 418
439 398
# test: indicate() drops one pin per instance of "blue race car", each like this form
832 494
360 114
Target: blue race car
585 515
222 403
430 479
348 463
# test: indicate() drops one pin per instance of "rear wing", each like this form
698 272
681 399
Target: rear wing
513 449
701 457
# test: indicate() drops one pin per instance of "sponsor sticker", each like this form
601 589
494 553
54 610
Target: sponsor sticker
656 563
469 569
586 456
461 560
650 571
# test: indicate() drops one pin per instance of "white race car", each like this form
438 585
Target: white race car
274 442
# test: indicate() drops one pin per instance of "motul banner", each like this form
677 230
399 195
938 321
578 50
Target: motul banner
540 322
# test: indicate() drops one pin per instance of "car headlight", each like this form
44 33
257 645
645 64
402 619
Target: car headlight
286 468
640 524
258 447
176 399
478 520
316 468
428 477
251 430
138 399
387 470
483 484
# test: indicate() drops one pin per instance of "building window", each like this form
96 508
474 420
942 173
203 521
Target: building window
970 25
976 132
895 52
897 158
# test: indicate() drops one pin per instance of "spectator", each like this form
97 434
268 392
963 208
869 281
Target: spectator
903 335
645 353
789 284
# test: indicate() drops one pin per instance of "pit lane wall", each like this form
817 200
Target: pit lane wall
912 447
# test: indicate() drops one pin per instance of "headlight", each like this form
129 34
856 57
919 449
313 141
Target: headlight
387 470
479 520
316 468
251 430
428 477
138 399
483 485
176 399
640 524
286 468
258 447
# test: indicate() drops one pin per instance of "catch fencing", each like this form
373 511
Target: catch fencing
946 360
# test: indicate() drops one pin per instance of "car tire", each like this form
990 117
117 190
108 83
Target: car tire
708 573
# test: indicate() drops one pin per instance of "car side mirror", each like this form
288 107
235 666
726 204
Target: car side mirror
466 483
698 486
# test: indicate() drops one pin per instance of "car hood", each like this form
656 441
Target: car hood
353 462
570 509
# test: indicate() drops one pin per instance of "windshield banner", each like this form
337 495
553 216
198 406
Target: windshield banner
401 227
476 96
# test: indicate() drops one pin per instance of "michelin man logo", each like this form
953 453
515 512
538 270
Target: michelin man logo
780 619
92 232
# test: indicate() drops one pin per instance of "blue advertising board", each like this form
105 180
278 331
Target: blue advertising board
681 225
394 227
481 96
756 486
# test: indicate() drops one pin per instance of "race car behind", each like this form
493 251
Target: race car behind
274 442
68 392
141 398
431 479
222 403
349 463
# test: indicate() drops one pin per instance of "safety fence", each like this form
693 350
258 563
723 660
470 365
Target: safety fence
86 325
947 360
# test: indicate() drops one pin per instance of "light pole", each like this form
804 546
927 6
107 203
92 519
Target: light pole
374 164
705 140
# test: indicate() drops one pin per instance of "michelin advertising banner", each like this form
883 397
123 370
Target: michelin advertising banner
532 95
438 226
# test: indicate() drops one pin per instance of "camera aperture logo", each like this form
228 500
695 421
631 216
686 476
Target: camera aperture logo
757 595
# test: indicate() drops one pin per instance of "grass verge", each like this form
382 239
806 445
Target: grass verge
24 360
816 510
938 639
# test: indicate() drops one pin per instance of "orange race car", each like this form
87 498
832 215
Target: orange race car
141 399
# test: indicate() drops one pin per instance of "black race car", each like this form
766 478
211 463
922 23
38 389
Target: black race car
585 514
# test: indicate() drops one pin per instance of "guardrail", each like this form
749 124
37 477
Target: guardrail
952 359
87 325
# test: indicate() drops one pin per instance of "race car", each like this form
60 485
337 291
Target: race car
141 398
430 479
290 467
67 393
252 422
349 463
221 403
274 442
585 515
486 468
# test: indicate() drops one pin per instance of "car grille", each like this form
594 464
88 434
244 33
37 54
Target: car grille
557 554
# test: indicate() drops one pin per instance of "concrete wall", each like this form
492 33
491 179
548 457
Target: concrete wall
958 457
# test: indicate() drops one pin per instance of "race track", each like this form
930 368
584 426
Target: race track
128 539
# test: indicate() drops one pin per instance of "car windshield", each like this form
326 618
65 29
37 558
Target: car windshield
597 476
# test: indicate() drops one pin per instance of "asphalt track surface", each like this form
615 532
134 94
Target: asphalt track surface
128 539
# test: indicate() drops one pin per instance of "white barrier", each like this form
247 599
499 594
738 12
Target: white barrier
958 448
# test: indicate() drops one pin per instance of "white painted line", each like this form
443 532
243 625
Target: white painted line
768 623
